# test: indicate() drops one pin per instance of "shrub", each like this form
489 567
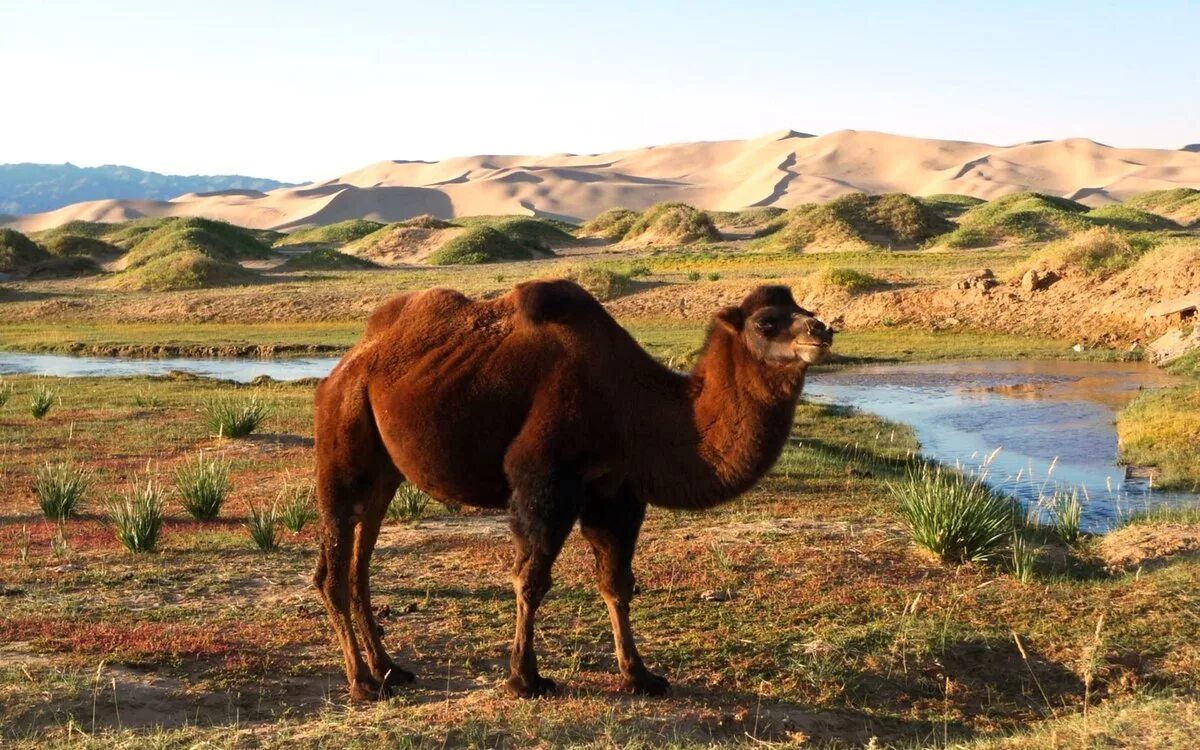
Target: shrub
956 517
296 507
263 525
203 483
409 504
603 283
18 253
60 488
674 223
612 224
41 401
235 418
843 279
693 276
137 516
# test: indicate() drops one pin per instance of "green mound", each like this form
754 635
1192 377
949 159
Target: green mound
65 266
480 244
541 235
1181 205
1019 217
18 253
66 245
127 233
425 221
749 218
341 233
182 269
673 223
1119 216
612 224
858 222
215 239
950 205
326 259
91 229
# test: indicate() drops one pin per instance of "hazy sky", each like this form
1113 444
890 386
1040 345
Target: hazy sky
308 90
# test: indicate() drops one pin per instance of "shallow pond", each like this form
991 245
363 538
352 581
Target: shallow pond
1032 426
1042 424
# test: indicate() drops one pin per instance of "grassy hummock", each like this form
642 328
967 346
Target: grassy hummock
480 244
336 235
857 222
326 259
18 253
673 223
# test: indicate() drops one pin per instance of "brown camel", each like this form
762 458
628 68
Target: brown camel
539 402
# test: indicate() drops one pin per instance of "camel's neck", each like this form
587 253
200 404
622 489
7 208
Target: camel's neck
706 448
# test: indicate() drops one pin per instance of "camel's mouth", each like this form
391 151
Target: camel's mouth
813 351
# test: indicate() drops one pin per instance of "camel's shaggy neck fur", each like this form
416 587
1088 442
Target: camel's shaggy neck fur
721 433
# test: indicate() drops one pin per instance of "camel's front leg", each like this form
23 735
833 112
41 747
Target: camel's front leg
611 526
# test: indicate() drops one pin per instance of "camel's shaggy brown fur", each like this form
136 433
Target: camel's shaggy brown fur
539 402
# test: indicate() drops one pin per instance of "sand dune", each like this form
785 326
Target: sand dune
780 169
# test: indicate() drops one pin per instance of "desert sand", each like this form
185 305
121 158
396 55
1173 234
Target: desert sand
780 169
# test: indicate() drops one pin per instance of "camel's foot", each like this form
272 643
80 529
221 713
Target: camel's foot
645 682
395 676
367 689
534 687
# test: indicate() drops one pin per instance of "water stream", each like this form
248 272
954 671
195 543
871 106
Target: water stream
1045 424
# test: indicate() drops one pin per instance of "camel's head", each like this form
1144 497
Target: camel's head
776 330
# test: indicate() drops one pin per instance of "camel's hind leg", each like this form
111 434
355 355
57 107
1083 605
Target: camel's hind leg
382 668
611 526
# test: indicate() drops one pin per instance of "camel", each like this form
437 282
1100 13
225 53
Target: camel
540 403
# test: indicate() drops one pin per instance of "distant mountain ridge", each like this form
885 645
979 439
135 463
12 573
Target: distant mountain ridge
33 188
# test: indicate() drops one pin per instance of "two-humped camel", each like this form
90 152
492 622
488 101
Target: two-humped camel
540 403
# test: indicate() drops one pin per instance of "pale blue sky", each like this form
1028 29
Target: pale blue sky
307 90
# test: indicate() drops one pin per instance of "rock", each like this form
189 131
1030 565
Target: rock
716 595
1174 344
1078 348
983 279
1030 281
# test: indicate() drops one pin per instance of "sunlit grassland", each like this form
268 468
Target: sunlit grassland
834 626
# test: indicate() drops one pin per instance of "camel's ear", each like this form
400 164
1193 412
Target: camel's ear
731 318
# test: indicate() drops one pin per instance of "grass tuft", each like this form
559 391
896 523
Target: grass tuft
203 483
1066 510
41 401
60 487
956 517
235 418
264 524
296 508
409 504
6 392
137 515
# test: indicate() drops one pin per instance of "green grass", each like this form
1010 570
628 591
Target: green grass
337 234
203 484
1096 250
749 218
6 391
856 222
60 488
539 235
1160 429
950 205
235 417
956 517
1130 219
217 240
1187 515
137 515
182 270
64 245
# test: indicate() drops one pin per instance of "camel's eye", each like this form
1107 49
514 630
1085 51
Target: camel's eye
768 326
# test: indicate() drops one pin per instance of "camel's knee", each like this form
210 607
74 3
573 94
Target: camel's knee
618 586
